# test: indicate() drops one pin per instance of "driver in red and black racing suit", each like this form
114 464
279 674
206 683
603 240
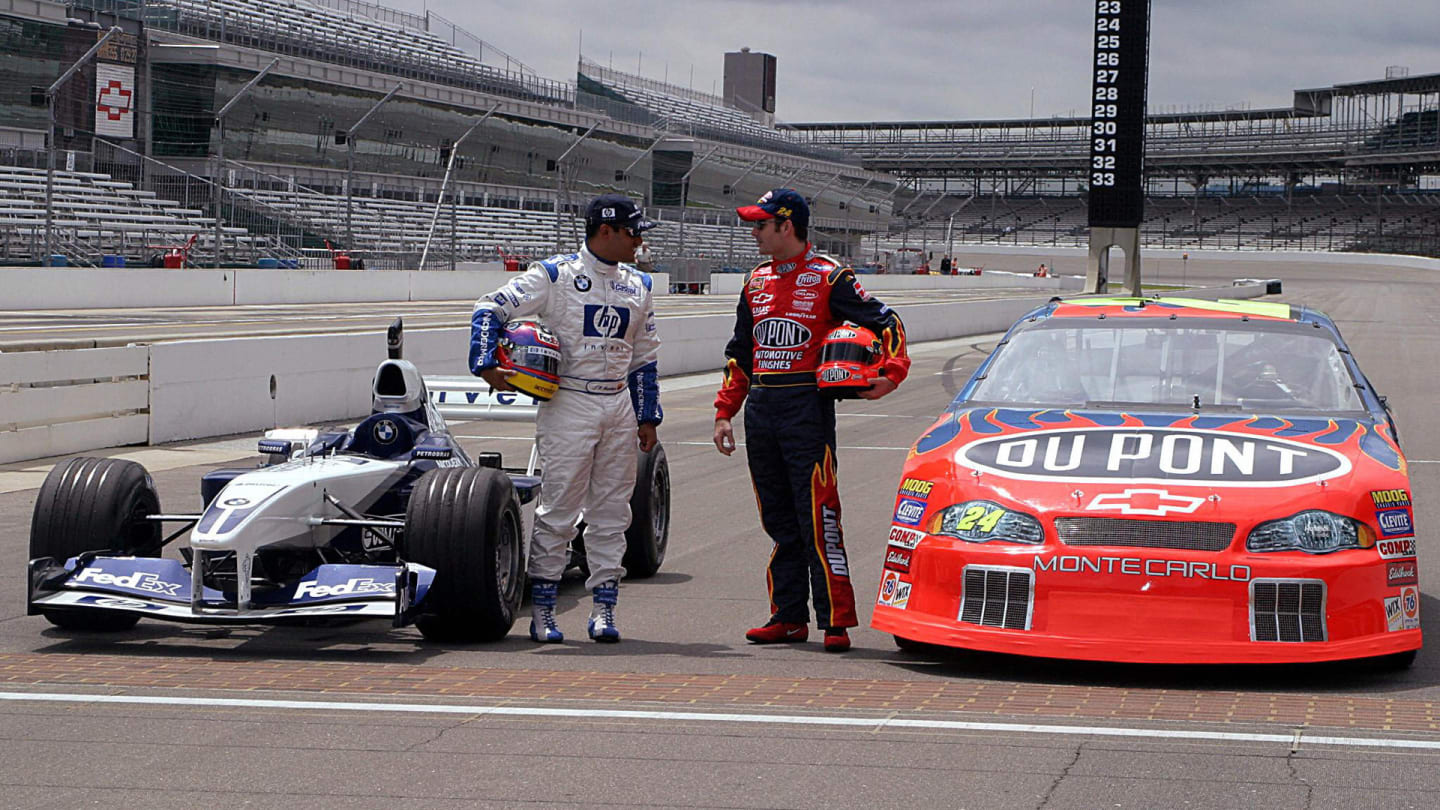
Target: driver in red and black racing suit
786 308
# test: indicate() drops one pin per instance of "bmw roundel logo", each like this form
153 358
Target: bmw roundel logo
582 283
384 431
236 502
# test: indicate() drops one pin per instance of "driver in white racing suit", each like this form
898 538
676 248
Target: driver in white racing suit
603 312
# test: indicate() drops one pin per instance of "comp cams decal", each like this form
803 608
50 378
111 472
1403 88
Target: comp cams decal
1395 549
1153 455
908 539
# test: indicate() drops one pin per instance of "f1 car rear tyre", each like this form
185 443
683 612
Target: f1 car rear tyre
649 532
465 523
95 504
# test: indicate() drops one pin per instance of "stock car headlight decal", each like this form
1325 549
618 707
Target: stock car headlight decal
1314 531
983 521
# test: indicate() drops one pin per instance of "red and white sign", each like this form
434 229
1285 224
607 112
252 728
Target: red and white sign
115 101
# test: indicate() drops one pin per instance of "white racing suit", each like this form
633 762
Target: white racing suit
604 315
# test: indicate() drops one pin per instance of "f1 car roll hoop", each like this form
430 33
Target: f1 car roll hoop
390 519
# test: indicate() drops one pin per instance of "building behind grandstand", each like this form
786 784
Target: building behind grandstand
139 171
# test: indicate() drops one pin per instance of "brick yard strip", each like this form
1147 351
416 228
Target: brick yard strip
1087 703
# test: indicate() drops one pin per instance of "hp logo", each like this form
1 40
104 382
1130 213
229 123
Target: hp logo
605 321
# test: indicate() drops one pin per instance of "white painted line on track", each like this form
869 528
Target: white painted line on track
1292 739
687 444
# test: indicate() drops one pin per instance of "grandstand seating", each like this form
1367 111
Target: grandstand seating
483 232
95 215
303 29
1308 222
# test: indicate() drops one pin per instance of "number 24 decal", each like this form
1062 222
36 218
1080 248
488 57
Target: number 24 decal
978 517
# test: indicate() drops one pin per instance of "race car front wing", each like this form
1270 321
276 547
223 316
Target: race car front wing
162 589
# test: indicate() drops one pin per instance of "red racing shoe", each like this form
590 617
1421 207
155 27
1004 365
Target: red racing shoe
777 632
836 639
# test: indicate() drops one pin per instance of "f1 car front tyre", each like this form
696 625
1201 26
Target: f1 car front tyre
95 504
649 532
465 523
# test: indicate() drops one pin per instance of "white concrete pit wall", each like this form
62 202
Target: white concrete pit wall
58 402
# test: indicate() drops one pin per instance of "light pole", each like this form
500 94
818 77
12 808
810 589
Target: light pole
562 189
50 161
685 193
350 165
440 198
220 153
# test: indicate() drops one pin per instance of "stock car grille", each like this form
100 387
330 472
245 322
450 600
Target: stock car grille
1288 610
1194 535
996 597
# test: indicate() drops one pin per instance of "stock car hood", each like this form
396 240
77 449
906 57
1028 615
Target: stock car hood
1240 469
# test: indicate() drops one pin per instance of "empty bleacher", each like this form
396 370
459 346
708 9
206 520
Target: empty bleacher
305 30
1389 222
95 215
483 233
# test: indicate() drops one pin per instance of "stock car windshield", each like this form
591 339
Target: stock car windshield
1241 365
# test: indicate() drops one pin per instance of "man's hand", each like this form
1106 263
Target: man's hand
882 386
724 436
648 439
499 378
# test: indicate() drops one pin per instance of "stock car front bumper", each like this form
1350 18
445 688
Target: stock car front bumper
1150 605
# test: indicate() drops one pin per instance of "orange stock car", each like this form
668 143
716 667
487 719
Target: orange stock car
1159 481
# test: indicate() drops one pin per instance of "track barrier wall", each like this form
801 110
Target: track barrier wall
82 399
35 288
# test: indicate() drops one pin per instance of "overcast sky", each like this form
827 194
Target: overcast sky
958 59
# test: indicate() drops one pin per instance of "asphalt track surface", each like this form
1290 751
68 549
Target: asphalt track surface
108 327
683 712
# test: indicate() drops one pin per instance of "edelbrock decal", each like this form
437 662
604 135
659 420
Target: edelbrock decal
1153 455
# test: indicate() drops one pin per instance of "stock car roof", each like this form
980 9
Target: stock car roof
1178 308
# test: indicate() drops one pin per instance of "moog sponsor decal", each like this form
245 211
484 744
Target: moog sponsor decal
1158 455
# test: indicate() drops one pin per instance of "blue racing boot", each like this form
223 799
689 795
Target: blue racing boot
542 612
602 616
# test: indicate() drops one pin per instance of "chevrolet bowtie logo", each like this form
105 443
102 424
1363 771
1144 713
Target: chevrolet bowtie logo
1144 502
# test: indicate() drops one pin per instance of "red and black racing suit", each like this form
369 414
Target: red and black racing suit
786 308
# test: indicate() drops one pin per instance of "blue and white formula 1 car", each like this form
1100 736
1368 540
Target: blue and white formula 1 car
391 519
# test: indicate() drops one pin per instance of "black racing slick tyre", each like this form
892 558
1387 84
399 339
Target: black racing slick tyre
95 504
649 532
465 523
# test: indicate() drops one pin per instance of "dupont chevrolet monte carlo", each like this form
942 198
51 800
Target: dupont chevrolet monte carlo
392 519
1162 481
